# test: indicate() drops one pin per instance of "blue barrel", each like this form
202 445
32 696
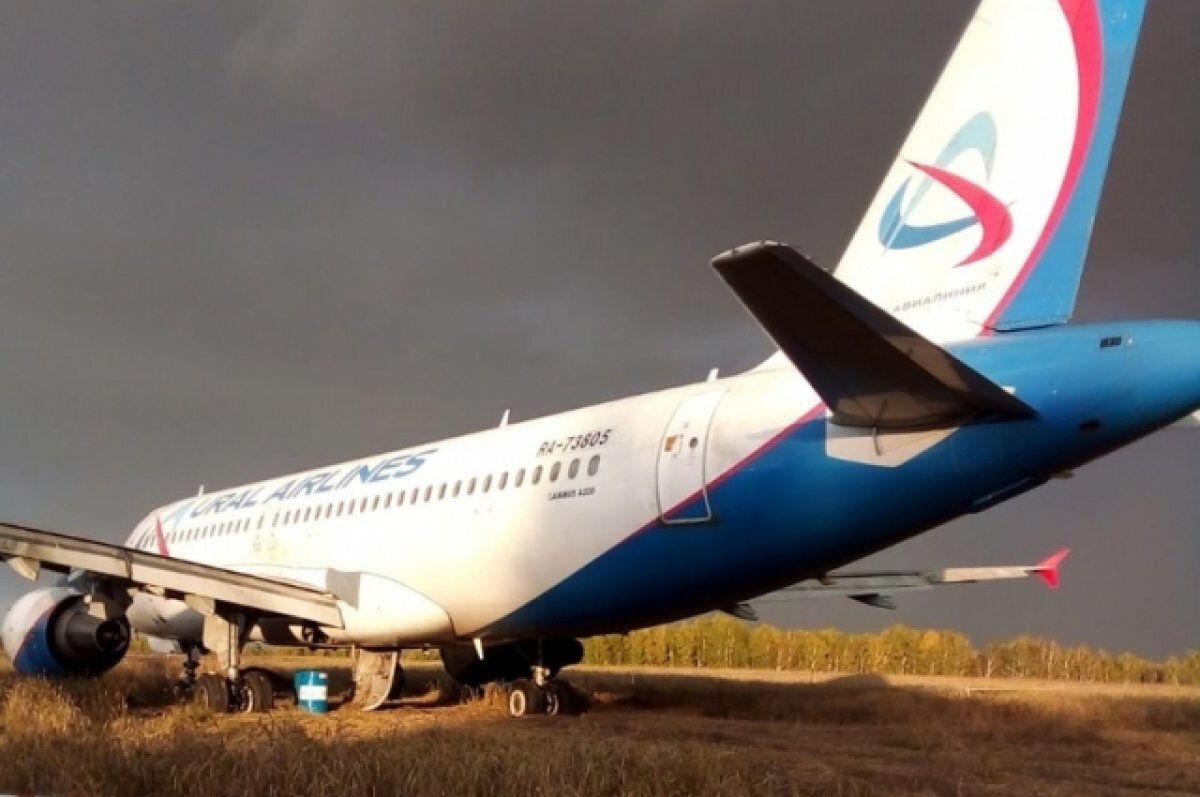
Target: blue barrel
312 691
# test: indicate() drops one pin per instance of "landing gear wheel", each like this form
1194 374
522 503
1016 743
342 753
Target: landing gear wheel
563 698
558 699
258 694
470 693
526 699
212 693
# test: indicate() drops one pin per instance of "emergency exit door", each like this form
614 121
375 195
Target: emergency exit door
682 456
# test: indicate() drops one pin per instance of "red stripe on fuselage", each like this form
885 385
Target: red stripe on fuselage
160 538
811 415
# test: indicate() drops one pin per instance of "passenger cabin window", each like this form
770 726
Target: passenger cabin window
554 471
487 482
594 465
387 501
503 481
537 475
519 478
471 486
457 487
441 491
428 493
573 469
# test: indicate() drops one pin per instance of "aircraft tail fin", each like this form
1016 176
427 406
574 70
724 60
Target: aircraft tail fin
983 221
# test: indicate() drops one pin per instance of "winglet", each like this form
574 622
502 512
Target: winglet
1047 570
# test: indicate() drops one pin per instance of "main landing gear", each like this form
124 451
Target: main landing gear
234 690
526 697
525 671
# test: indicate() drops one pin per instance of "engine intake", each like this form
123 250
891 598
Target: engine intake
49 632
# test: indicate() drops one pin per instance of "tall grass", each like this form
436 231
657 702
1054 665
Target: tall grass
647 734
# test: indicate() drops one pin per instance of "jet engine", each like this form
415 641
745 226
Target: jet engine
49 632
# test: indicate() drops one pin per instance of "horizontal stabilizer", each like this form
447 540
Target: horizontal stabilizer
871 370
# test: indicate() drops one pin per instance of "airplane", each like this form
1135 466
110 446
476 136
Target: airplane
932 374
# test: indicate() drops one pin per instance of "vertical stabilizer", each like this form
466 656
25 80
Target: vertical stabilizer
983 221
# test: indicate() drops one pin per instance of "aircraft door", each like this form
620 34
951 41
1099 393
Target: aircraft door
682 491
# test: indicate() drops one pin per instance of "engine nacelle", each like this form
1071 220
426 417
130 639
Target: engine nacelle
49 632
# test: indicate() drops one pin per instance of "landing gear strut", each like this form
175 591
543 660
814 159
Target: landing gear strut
185 687
233 689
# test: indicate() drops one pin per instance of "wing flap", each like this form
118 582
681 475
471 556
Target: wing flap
28 549
871 370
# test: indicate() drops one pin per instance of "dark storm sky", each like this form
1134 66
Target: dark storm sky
241 239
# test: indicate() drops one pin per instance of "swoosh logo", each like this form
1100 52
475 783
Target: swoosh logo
986 210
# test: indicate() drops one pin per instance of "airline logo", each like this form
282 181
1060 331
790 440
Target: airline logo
985 210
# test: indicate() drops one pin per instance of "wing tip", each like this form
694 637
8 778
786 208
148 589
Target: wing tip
1048 569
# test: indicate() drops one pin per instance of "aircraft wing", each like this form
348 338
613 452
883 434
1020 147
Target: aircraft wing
29 551
878 588
871 370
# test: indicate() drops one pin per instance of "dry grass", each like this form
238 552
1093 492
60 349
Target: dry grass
647 734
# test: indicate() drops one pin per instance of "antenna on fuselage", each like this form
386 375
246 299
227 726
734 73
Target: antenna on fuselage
201 490
712 375
504 419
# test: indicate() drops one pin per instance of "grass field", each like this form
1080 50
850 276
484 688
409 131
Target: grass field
648 733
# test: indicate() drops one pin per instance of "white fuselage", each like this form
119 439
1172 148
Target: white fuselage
462 532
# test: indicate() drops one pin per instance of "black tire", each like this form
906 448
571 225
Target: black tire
526 699
564 699
468 693
258 693
212 693
558 699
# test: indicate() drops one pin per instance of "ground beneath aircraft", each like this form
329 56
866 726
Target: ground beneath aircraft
648 733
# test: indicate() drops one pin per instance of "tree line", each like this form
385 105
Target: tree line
720 641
